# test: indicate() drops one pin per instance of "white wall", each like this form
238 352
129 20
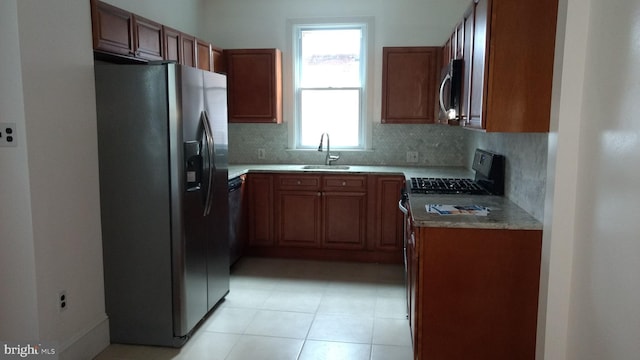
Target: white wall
593 234
50 216
19 313
181 15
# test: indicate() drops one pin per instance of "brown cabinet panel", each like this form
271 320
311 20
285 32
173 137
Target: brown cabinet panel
254 78
478 65
344 218
188 47
512 65
219 64
409 81
389 219
148 39
344 183
112 29
469 21
298 218
172 45
298 182
471 280
260 188
203 55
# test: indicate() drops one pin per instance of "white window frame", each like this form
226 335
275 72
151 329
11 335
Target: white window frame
294 27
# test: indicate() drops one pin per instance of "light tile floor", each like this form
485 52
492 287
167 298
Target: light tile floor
281 309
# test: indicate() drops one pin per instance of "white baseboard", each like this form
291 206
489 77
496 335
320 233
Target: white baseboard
88 343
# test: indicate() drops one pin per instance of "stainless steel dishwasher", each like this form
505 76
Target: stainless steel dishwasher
237 216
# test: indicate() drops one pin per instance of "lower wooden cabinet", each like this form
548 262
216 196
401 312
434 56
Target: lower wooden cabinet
297 210
474 293
326 216
260 189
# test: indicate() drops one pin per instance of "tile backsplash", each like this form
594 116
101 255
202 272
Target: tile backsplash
526 165
437 145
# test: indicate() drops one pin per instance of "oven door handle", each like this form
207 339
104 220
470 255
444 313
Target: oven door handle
402 207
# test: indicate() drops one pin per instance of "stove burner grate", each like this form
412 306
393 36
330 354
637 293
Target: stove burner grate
446 186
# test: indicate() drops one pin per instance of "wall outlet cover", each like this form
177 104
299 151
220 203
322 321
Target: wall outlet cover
8 135
412 156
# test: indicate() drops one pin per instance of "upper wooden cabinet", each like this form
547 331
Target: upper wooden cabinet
512 65
203 55
219 64
254 85
127 35
409 81
120 32
172 44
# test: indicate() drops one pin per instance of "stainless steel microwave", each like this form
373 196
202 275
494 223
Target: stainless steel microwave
451 90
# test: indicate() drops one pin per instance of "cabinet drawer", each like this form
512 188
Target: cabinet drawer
298 182
345 183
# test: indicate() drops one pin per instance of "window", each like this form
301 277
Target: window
329 84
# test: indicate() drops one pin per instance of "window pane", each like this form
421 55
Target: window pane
336 112
330 58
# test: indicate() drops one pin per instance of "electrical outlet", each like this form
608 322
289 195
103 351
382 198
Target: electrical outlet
62 300
8 135
261 154
412 156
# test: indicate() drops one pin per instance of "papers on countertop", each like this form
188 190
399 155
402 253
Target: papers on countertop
440 209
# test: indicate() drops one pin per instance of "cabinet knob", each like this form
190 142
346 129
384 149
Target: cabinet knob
319 193
299 182
344 183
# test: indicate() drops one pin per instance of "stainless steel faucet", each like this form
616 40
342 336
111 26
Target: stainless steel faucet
330 158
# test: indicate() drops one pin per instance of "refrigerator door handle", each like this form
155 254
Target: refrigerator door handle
210 143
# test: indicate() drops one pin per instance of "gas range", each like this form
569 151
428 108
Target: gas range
489 178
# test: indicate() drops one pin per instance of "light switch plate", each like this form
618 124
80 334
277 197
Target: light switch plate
8 135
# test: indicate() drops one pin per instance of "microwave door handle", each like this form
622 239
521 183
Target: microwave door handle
442 107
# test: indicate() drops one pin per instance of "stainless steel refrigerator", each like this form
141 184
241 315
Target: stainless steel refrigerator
162 145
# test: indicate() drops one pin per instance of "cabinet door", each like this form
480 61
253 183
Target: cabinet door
344 220
148 39
409 81
466 56
478 65
254 80
112 29
188 50
474 280
219 64
298 218
260 188
389 219
172 45
203 55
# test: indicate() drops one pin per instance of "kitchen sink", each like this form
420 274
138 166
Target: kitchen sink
326 167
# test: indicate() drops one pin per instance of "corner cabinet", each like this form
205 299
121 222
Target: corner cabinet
474 293
254 85
512 65
409 81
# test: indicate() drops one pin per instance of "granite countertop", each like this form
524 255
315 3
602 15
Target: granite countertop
504 214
